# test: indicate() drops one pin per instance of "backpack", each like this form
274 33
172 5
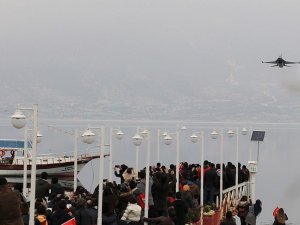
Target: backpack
141 200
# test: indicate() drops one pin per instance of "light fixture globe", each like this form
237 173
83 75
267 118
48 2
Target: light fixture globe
88 136
244 131
214 134
144 133
230 133
119 135
183 127
194 138
168 140
39 137
18 119
164 134
137 139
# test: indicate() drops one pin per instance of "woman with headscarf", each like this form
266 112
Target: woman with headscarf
254 211
280 217
243 209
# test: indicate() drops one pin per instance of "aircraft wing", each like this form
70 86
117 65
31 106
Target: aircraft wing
269 62
287 62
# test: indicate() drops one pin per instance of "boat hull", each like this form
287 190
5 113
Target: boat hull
63 169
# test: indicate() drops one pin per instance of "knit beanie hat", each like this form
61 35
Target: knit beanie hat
3 181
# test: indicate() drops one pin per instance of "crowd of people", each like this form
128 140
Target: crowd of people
124 202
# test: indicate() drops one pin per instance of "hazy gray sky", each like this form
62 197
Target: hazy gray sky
159 59
154 59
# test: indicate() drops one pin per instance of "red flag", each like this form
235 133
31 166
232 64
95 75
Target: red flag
70 222
275 211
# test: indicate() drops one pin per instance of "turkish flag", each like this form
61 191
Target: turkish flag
70 222
275 211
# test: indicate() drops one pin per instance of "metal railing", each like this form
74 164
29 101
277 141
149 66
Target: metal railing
232 195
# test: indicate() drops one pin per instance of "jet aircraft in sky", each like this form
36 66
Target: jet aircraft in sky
280 62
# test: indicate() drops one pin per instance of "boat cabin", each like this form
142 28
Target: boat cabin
10 149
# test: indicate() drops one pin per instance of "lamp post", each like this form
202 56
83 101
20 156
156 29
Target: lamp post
231 133
146 134
214 135
159 135
26 139
194 139
158 145
119 135
18 120
168 141
137 141
75 159
89 138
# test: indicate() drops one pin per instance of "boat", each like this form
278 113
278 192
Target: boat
60 165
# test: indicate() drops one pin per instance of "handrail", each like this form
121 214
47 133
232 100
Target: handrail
231 198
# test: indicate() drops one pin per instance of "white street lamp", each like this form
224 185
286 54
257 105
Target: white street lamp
137 141
244 131
230 133
89 138
75 159
168 141
119 136
159 136
147 185
214 135
25 159
18 120
194 139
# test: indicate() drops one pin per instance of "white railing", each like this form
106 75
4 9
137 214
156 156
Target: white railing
232 195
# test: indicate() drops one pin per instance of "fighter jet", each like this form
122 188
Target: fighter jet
280 62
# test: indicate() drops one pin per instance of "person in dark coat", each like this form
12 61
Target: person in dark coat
210 179
163 220
119 173
228 220
109 204
60 215
181 209
81 215
254 211
42 186
10 210
187 196
161 190
92 211
56 187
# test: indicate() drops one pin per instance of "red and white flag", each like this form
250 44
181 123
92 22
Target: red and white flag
275 211
70 222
